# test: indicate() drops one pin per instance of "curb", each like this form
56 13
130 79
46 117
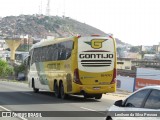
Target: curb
119 94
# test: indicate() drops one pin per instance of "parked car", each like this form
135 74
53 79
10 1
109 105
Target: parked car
22 78
144 104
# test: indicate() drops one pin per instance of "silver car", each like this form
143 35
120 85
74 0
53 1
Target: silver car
144 104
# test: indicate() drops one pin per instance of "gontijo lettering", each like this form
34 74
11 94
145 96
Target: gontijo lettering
95 55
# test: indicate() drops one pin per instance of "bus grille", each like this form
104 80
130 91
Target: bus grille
96 63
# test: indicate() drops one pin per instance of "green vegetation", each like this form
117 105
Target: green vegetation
8 71
5 69
19 69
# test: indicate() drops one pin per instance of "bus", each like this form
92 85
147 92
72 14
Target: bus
75 65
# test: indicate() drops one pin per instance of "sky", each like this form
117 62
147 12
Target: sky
136 22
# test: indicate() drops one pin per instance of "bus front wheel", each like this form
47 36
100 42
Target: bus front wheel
33 86
35 90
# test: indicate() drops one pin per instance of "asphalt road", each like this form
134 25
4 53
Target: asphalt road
18 97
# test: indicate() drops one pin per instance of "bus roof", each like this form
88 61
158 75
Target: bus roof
57 40
49 42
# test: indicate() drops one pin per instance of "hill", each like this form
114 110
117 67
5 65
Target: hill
40 26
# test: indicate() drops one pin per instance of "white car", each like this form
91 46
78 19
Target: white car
144 104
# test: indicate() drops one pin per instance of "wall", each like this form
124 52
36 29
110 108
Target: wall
126 83
147 77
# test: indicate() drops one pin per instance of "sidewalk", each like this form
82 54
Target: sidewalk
118 95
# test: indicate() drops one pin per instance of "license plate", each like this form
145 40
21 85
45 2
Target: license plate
96 88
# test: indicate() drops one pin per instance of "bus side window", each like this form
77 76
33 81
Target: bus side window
43 55
37 55
47 56
54 52
61 51
69 47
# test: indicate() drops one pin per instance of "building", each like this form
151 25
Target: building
149 56
124 63
156 48
26 40
146 63
130 64
131 55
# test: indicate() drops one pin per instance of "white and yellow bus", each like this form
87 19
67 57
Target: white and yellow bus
75 65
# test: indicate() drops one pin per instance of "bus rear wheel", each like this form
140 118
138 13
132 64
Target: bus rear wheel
56 90
98 96
63 95
87 95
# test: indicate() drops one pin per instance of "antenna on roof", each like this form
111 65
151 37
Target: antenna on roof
48 8
40 8
64 8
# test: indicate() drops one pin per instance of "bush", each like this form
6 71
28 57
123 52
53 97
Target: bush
19 69
5 69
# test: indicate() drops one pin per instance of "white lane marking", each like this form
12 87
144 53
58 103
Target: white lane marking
11 111
26 93
4 108
91 110
87 109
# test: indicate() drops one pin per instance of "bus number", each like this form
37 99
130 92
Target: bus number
106 75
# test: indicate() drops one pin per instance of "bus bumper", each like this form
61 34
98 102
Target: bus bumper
94 89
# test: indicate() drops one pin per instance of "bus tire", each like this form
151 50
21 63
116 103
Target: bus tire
62 93
98 96
35 90
85 95
56 90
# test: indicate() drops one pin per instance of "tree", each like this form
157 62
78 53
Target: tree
5 69
135 49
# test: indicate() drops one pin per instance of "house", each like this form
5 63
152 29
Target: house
124 63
